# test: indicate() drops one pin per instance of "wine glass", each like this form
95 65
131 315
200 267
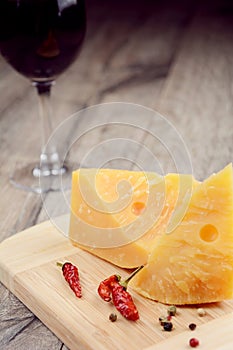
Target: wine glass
40 39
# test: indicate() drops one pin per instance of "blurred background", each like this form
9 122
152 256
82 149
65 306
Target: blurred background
173 56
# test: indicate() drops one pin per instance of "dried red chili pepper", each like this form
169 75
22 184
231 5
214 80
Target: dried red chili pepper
106 286
70 272
124 303
112 286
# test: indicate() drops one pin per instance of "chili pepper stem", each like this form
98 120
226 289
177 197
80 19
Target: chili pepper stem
125 282
59 264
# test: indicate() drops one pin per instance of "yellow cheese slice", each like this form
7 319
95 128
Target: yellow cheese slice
194 263
118 215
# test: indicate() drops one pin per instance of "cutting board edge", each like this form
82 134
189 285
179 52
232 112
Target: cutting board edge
7 269
202 333
43 314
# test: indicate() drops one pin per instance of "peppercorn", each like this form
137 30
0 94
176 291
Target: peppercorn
192 326
168 326
193 342
201 312
163 319
171 310
112 317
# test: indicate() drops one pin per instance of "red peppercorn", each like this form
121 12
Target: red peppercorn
193 342
70 272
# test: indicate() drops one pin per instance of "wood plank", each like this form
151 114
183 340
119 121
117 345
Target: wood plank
141 66
197 96
18 84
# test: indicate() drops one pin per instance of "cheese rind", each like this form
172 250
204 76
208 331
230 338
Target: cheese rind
194 263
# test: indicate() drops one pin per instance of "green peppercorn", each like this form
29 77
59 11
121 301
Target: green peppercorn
171 310
192 326
112 317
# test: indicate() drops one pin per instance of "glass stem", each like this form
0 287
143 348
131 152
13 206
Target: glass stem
49 159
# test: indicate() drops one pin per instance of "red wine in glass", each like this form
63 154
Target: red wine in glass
40 39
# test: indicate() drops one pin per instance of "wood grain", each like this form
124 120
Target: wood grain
197 97
216 334
28 268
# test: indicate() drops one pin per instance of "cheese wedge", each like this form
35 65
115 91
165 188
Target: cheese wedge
194 263
118 215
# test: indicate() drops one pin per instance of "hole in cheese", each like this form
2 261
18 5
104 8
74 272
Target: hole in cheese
209 233
138 208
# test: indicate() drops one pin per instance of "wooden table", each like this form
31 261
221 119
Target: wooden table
173 56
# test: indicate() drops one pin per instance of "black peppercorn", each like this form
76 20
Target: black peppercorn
192 326
167 326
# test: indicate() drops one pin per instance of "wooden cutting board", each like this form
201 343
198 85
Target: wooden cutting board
28 268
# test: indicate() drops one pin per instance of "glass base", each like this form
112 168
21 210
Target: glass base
31 178
38 172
